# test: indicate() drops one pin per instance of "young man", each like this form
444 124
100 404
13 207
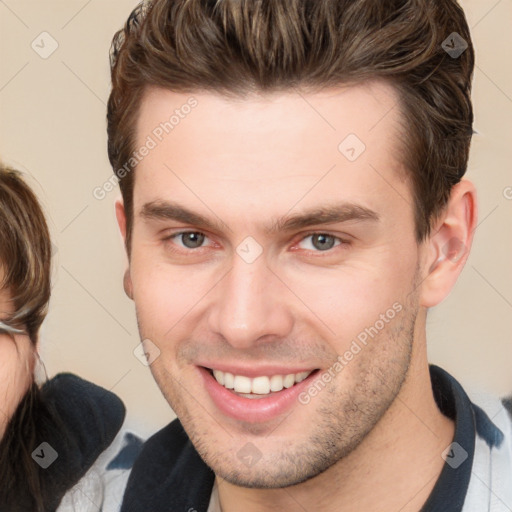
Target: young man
293 204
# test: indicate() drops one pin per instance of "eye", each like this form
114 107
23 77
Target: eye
320 242
316 242
188 239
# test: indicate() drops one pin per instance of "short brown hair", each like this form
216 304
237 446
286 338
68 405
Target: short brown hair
25 253
233 47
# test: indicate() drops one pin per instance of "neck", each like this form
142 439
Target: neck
394 468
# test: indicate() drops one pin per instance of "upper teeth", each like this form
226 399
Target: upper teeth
259 385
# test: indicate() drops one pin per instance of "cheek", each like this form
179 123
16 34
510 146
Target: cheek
165 294
348 300
15 375
337 303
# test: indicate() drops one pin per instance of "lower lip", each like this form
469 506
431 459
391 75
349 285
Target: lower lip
252 410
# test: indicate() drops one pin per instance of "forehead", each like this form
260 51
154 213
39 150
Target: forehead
368 110
279 149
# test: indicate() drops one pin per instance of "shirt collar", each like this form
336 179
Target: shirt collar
452 485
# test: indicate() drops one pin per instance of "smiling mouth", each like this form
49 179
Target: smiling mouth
258 387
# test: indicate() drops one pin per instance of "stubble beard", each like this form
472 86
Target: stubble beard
341 415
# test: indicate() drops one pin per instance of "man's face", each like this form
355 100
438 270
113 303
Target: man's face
264 298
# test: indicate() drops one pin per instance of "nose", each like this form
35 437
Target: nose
250 307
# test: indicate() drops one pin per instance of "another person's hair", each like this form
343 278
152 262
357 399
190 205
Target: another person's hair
25 253
236 47
25 257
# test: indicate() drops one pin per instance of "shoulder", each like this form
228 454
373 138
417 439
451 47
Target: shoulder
102 487
90 414
491 476
166 451
168 474
493 419
79 421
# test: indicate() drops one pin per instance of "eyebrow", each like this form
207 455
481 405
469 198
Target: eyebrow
329 214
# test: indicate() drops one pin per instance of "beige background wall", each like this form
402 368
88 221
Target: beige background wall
52 127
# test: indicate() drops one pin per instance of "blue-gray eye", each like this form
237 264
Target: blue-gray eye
322 242
191 239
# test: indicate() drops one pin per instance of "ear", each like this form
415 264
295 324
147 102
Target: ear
121 221
121 218
449 244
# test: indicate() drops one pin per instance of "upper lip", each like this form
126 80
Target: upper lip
257 371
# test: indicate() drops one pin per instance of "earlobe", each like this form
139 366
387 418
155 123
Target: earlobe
449 244
127 284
